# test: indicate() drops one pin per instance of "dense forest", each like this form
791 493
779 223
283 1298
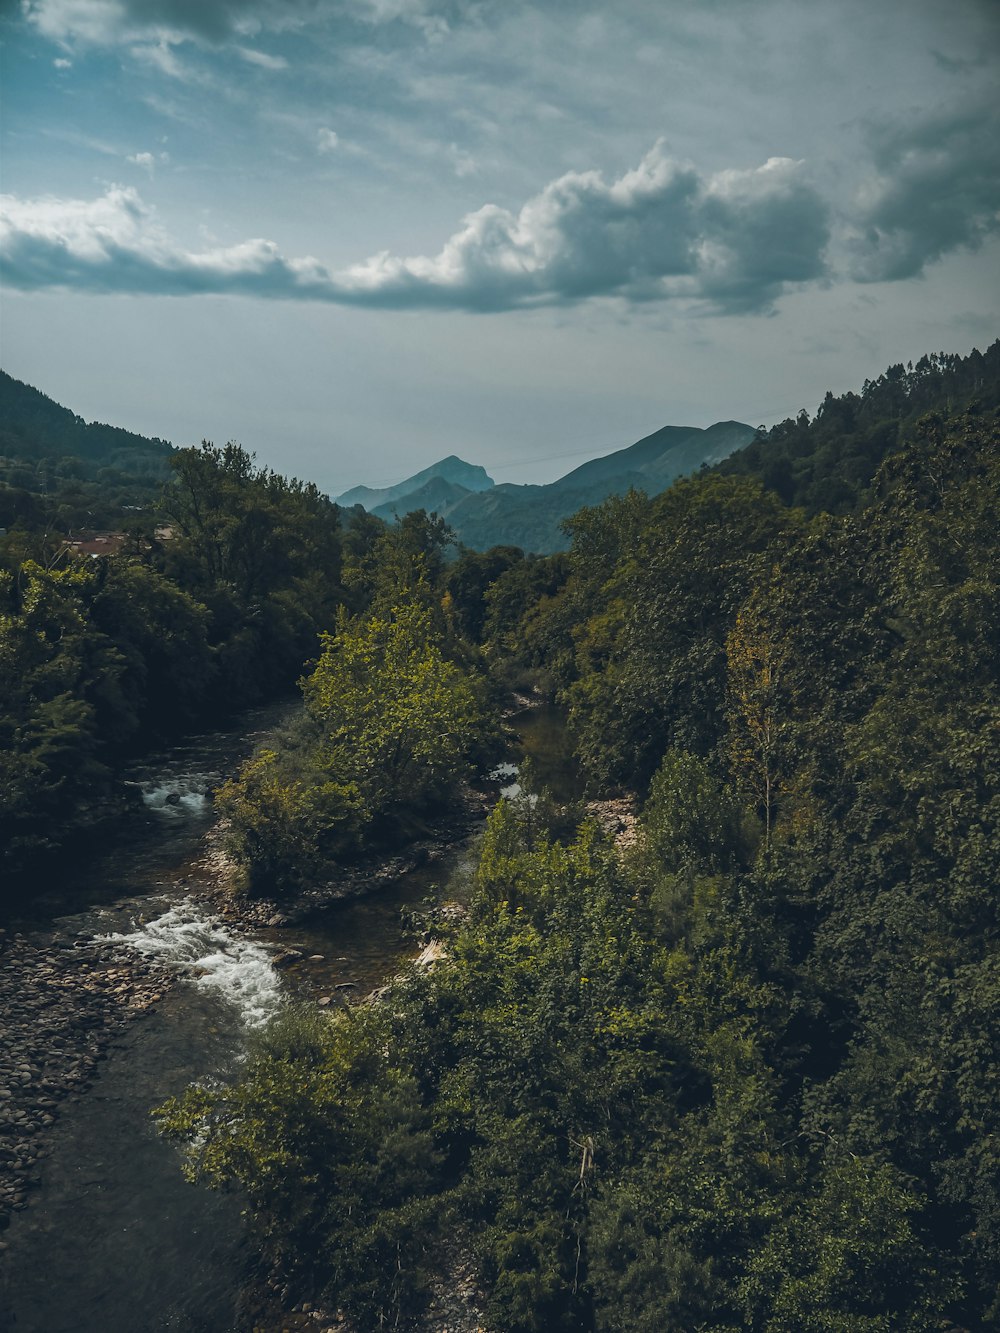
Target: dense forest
825 462
100 658
738 1071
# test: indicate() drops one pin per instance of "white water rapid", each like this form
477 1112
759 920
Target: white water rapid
237 970
184 794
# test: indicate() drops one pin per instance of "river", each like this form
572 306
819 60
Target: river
113 1239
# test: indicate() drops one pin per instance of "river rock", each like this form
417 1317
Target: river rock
61 1008
287 957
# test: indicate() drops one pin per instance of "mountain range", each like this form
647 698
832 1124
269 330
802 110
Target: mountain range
483 514
43 444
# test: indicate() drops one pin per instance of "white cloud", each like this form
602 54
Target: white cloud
659 232
62 63
463 164
327 139
734 240
162 56
106 22
116 244
145 160
92 21
262 59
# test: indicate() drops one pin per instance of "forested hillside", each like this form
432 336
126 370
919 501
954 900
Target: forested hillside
740 1072
827 462
58 473
483 515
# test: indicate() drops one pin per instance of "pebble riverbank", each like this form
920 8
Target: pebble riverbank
61 1004
62 1001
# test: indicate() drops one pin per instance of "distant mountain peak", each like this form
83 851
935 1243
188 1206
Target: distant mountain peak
470 477
483 514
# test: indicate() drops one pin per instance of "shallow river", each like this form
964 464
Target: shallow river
114 1240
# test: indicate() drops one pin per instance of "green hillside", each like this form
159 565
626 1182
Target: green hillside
828 461
58 471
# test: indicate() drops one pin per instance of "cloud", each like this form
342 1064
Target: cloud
661 231
734 240
105 22
327 139
463 163
144 160
935 188
261 58
162 56
115 244
62 63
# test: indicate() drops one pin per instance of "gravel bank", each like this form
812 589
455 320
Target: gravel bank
61 1004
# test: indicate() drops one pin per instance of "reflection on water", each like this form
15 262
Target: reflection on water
363 941
546 742
116 1240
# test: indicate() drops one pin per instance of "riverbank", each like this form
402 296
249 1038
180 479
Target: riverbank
73 980
62 1004
360 878
65 999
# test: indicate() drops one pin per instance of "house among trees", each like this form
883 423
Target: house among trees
95 543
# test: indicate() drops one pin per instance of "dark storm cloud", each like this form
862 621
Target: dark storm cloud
936 189
733 240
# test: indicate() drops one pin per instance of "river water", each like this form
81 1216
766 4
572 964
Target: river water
114 1240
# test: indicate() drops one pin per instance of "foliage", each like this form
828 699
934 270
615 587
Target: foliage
333 1149
394 725
100 657
742 1075
92 658
285 828
264 555
657 678
471 578
828 463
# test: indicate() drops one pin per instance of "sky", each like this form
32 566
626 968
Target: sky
360 235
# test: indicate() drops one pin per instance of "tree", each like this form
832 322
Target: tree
652 657
756 663
394 715
392 725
